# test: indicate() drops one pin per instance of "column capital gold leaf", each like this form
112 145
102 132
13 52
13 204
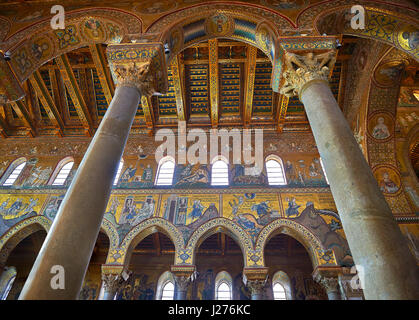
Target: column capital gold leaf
135 74
302 69
139 65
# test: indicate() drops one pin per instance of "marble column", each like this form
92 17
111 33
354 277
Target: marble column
183 276
257 288
331 286
182 285
71 239
255 279
388 270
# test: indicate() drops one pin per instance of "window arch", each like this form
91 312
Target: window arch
165 287
165 172
168 291
219 172
118 172
324 172
61 172
281 286
275 171
13 172
279 292
223 286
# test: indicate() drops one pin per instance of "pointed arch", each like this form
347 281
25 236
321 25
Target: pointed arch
397 24
219 171
166 278
300 233
58 171
141 231
20 231
275 170
223 286
165 171
226 226
114 25
13 171
109 229
282 279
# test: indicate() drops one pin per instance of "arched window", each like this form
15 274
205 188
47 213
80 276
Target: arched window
165 287
118 172
324 172
279 292
275 171
14 171
223 291
223 286
281 286
219 173
62 175
168 291
165 172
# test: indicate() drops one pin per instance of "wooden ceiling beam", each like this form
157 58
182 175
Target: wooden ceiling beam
148 111
3 126
223 243
213 81
102 71
282 111
22 112
178 85
43 94
75 93
249 84
156 243
236 60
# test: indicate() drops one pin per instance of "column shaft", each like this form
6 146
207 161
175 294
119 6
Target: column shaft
73 234
376 242
333 295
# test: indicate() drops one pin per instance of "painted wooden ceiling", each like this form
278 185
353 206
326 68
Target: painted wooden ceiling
65 96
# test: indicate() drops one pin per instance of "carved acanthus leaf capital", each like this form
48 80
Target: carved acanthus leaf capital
331 284
302 69
135 74
256 286
112 282
182 282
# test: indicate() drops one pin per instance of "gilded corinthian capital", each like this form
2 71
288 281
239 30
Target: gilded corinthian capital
136 74
302 69
139 65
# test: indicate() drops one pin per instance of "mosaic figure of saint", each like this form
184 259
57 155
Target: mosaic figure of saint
197 208
289 171
388 185
412 38
292 209
380 131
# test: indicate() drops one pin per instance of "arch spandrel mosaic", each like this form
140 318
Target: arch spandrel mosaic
188 218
